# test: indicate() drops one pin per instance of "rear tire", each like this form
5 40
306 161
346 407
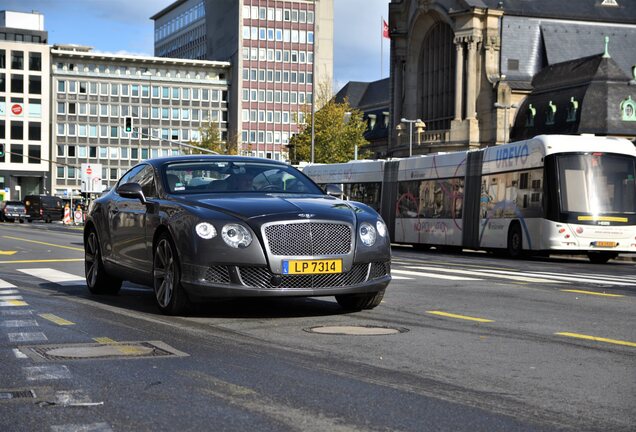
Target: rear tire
515 241
169 293
97 280
601 257
356 302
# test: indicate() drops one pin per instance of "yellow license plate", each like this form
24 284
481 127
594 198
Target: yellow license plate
605 244
312 266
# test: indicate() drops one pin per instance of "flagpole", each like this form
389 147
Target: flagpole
381 45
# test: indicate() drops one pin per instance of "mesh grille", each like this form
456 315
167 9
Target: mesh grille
218 275
379 269
312 238
261 277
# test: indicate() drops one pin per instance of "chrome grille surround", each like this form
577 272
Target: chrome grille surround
308 238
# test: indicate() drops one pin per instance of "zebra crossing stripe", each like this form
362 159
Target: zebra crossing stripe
54 276
432 275
580 278
488 273
5 284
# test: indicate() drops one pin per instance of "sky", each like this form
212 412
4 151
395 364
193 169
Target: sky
124 26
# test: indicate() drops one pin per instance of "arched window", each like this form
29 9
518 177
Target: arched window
437 78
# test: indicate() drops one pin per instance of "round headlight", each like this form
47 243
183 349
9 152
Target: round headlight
381 228
367 234
206 230
236 236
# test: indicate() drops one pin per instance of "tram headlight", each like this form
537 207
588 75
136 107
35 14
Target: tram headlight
367 233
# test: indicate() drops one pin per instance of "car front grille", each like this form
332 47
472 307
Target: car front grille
309 238
217 275
379 269
262 277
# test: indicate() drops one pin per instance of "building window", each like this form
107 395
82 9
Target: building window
17 130
60 172
35 131
550 114
436 81
628 110
17 60
573 108
35 61
17 153
17 83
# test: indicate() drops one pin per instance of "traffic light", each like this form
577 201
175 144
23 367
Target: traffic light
1 150
129 125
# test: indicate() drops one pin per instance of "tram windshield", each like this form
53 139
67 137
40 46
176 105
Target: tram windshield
597 183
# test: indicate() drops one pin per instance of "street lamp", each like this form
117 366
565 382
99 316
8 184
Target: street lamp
419 126
505 108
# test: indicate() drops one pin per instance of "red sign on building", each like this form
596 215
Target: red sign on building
16 109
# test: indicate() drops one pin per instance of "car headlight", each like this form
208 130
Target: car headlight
381 227
367 234
206 230
236 236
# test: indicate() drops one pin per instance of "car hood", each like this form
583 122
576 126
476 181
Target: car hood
248 206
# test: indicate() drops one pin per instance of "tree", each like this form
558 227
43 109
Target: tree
338 129
211 140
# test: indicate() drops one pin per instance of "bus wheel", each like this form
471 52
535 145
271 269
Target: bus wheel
515 240
601 257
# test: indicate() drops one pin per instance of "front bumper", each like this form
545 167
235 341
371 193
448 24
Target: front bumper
258 281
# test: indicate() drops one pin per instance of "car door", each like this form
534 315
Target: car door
130 240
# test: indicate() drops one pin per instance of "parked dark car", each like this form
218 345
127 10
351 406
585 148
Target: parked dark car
44 207
204 227
12 210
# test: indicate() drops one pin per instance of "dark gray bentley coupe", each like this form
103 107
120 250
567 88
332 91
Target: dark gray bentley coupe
205 227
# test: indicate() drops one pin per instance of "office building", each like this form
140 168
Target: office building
24 104
169 101
279 51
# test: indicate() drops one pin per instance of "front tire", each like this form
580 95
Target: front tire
97 280
357 302
515 241
169 294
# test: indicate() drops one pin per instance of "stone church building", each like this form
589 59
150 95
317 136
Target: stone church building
466 68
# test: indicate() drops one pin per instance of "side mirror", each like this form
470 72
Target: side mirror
131 191
334 190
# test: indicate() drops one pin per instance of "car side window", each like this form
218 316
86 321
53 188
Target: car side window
130 174
146 179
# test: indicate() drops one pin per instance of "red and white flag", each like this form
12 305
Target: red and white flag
385 29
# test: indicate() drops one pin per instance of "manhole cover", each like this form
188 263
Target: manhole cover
98 351
356 330
16 394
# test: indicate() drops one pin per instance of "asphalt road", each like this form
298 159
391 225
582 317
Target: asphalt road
476 343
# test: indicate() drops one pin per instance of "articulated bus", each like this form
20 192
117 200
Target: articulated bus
550 194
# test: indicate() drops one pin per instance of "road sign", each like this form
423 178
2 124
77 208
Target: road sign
91 177
16 109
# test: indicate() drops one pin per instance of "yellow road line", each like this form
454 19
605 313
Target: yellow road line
45 244
8 252
13 303
104 340
592 293
596 339
462 317
42 261
56 319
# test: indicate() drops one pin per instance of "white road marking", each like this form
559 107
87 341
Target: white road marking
19 312
574 278
400 277
9 291
93 427
488 273
48 372
55 276
5 284
27 337
19 323
19 354
432 275
10 297
12 303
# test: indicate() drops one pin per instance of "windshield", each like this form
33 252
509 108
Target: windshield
597 183
235 177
